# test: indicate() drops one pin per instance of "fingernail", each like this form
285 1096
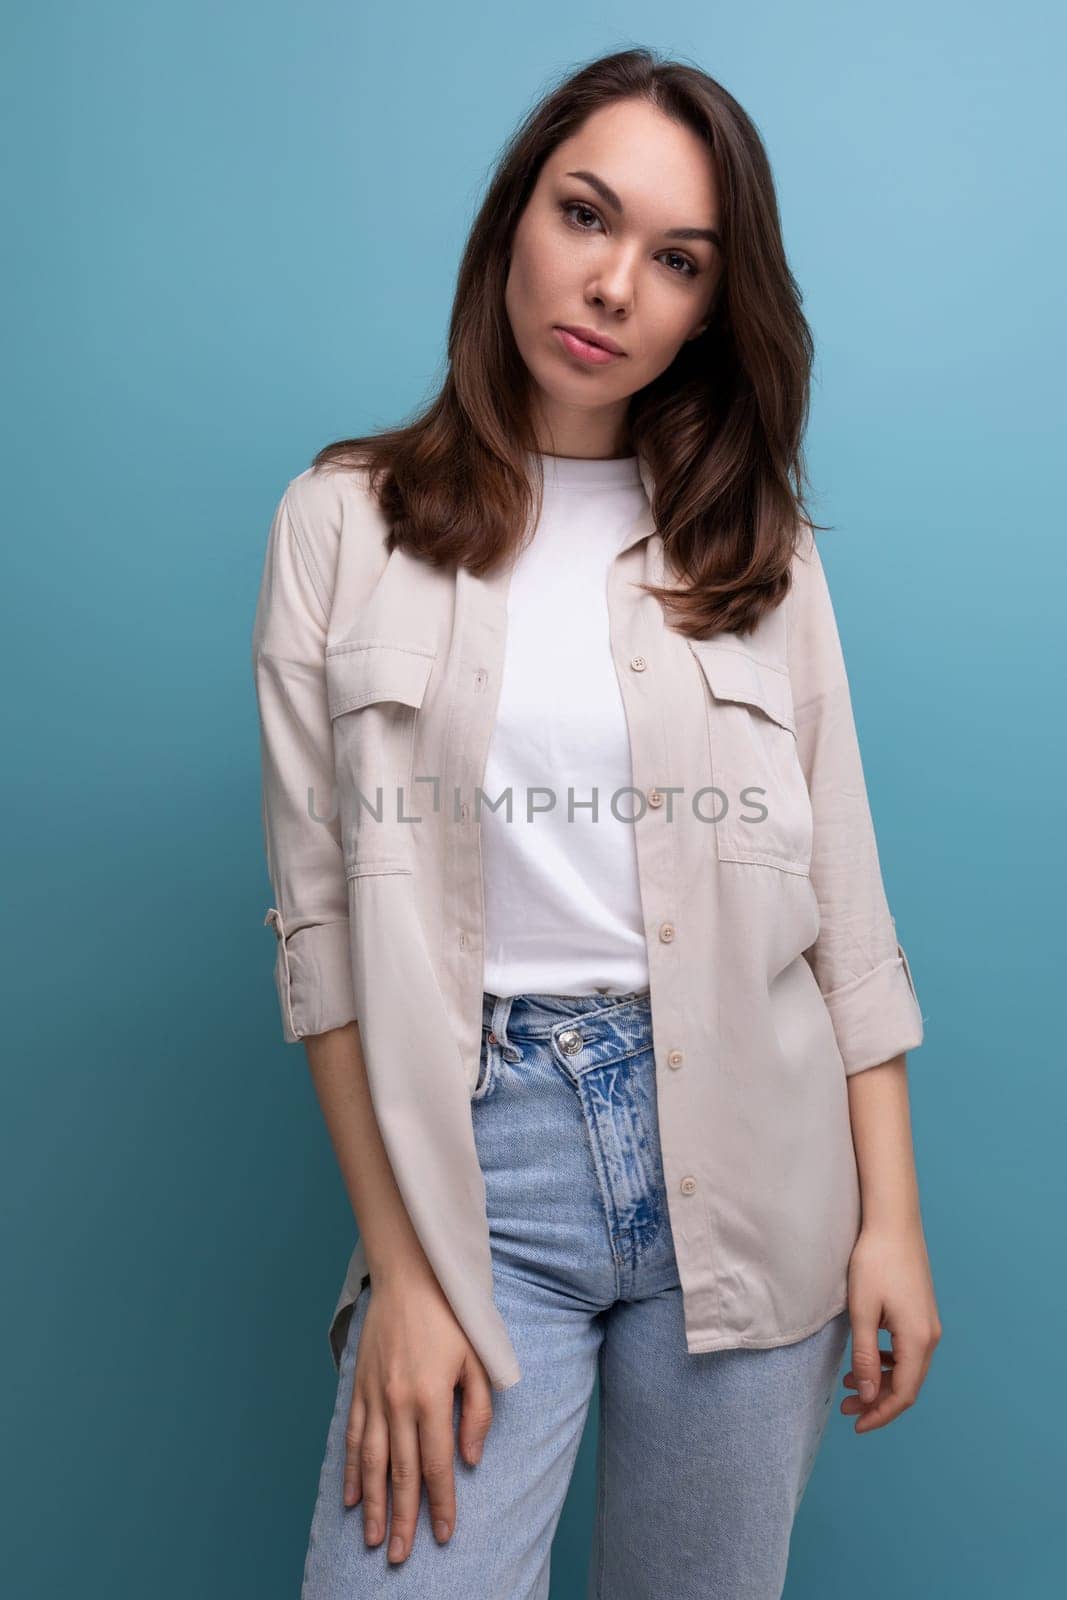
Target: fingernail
370 1532
474 1454
396 1546
440 1528
867 1389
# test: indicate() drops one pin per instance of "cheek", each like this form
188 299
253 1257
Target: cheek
663 332
670 317
518 298
539 292
523 291
547 269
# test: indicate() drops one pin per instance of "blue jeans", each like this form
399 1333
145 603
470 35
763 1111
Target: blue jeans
702 1459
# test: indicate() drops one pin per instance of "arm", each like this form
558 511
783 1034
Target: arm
305 859
305 863
339 1074
890 1283
859 965
412 1351
864 976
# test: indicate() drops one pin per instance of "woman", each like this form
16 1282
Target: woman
615 1073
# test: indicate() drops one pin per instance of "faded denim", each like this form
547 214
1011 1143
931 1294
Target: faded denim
702 1459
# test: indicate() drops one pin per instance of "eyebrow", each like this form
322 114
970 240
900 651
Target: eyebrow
610 198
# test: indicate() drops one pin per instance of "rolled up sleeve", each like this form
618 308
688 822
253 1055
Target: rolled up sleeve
860 966
305 861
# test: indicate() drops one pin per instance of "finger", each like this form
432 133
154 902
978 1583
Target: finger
476 1412
437 1449
853 1406
405 1478
900 1391
850 1380
373 1466
866 1357
357 1413
930 1342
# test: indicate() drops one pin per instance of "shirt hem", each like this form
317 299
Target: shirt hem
735 1341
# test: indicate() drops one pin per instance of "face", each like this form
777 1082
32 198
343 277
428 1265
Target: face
623 251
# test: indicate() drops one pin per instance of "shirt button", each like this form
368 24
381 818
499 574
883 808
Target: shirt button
666 932
655 798
675 1058
638 663
687 1185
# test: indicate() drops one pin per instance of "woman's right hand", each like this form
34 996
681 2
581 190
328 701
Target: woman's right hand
412 1353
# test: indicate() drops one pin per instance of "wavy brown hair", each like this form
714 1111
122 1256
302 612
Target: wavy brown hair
721 428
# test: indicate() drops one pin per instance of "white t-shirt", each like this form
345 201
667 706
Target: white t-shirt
562 901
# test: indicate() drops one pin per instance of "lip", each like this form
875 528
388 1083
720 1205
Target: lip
588 345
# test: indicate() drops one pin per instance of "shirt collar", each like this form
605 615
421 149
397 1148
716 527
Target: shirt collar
644 524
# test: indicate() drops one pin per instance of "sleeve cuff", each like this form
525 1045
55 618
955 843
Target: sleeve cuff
313 977
877 1016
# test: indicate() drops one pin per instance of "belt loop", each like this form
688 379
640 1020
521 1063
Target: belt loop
499 1025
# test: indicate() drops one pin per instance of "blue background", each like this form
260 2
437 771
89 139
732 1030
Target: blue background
232 236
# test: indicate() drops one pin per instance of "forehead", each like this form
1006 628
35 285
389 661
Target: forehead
661 169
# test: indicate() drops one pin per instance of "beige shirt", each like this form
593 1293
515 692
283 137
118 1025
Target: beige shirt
774 965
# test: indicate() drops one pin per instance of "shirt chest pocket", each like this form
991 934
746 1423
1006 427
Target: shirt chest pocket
375 690
762 800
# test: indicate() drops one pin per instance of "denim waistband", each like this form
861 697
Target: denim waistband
536 1016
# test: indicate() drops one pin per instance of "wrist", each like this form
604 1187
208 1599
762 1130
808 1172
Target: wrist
402 1267
894 1219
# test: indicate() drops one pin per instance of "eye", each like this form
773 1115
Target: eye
685 261
569 207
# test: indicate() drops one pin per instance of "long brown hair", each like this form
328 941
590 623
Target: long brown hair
721 429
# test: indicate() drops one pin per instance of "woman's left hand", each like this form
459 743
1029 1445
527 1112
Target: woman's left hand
889 1286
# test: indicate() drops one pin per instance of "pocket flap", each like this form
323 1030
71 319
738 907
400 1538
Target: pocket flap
359 672
732 674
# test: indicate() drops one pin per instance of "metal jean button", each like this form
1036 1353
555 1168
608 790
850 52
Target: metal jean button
570 1040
